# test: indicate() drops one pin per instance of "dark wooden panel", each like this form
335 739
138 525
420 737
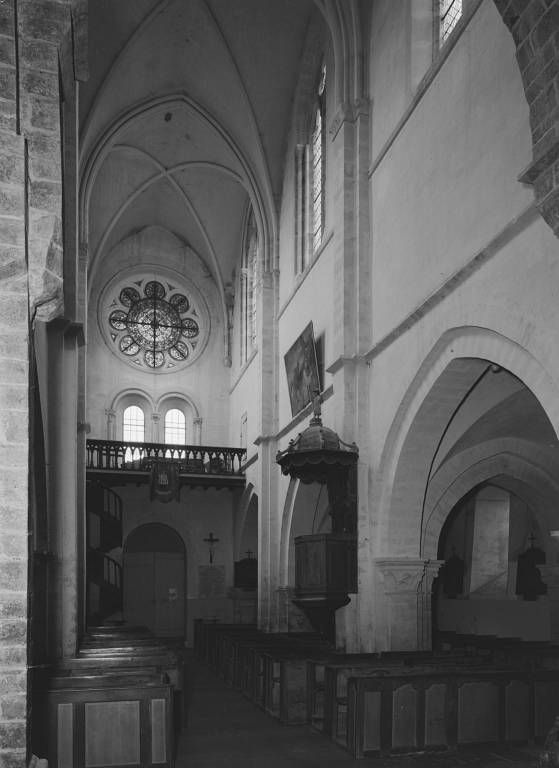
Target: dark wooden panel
478 708
404 717
435 711
103 726
112 733
371 721
517 711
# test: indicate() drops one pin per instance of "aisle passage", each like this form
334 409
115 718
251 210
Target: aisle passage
226 730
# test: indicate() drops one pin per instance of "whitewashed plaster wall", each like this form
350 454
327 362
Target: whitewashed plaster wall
205 381
448 183
244 400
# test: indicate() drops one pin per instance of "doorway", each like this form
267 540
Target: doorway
154 580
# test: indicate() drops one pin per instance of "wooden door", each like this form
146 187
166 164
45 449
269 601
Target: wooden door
154 592
139 589
168 580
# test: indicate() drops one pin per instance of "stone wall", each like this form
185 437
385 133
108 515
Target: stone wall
535 28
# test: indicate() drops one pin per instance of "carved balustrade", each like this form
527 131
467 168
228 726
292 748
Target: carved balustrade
117 455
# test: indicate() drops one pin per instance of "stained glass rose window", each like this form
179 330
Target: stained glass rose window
154 324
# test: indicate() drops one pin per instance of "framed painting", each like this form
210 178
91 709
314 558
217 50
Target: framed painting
302 370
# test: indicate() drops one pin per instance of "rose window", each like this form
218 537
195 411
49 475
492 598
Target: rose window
154 325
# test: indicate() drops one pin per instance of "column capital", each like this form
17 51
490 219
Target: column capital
406 574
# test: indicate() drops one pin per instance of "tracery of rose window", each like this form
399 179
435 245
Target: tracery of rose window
155 325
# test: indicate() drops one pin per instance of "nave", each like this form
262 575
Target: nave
224 729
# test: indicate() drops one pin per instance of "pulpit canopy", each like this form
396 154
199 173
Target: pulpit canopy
316 452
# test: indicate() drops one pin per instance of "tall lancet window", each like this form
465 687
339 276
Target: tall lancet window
450 12
318 154
248 285
310 167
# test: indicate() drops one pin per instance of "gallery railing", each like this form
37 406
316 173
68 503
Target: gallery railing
116 455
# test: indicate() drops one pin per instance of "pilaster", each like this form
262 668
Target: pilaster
156 435
197 425
111 423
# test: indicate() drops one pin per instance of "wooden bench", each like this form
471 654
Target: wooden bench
110 719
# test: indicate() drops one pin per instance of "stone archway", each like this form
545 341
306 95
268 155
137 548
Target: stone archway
404 573
456 362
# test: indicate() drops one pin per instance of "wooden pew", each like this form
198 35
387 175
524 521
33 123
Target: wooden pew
124 648
110 719
441 709
337 673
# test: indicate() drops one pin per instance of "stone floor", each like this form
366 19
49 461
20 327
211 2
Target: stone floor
226 730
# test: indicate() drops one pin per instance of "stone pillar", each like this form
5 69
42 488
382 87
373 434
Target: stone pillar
404 603
490 546
14 439
62 482
290 618
550 576
31 271
269 514
349 163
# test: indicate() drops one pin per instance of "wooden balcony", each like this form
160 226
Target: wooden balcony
115 462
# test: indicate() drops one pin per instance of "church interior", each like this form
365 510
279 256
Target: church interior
279 299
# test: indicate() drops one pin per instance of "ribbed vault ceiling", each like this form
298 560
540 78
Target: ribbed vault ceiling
186 114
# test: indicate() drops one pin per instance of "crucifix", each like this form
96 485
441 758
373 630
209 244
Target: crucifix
211 541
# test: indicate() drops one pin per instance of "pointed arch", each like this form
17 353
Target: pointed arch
460 355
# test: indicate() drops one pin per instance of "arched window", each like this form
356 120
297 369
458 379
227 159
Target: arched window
133 428
248 284
175 427
318 152
450 12
310 178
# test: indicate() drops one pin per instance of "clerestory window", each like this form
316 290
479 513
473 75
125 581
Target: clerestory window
249 260
318 153
449 14
310 167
